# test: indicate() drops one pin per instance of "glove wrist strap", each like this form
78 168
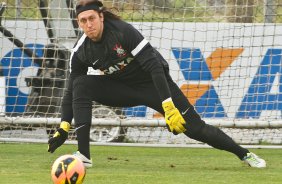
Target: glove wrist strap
167 100
168 105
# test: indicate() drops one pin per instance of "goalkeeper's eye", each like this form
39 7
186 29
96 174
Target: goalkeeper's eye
89 19
83 21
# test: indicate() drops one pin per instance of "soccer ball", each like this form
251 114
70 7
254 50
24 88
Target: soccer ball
68 169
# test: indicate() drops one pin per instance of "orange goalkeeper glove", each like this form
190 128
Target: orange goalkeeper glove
59 137
173 118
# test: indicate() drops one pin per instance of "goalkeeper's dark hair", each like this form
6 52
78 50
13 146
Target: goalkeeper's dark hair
98 6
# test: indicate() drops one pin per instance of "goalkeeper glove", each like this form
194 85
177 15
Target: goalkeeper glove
173 118
59 137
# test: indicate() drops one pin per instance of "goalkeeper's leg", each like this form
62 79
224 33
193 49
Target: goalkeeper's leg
82 118
82 109
100 89
197 129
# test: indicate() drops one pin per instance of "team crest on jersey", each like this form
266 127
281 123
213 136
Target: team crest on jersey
120 51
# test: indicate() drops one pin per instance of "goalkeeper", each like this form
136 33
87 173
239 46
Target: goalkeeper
134 73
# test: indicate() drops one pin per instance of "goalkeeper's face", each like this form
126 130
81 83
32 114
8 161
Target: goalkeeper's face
92 24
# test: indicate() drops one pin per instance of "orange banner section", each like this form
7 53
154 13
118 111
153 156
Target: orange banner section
220 59
192 91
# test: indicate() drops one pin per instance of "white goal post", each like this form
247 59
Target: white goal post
226 56
142 122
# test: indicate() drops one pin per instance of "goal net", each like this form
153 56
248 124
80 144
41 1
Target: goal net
226 56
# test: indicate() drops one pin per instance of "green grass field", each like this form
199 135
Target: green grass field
31 164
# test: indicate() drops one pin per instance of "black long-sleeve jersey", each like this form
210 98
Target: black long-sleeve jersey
121 54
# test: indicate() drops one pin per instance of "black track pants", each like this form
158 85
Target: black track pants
114 93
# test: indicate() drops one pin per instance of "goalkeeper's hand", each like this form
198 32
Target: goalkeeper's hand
59 137
173 118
